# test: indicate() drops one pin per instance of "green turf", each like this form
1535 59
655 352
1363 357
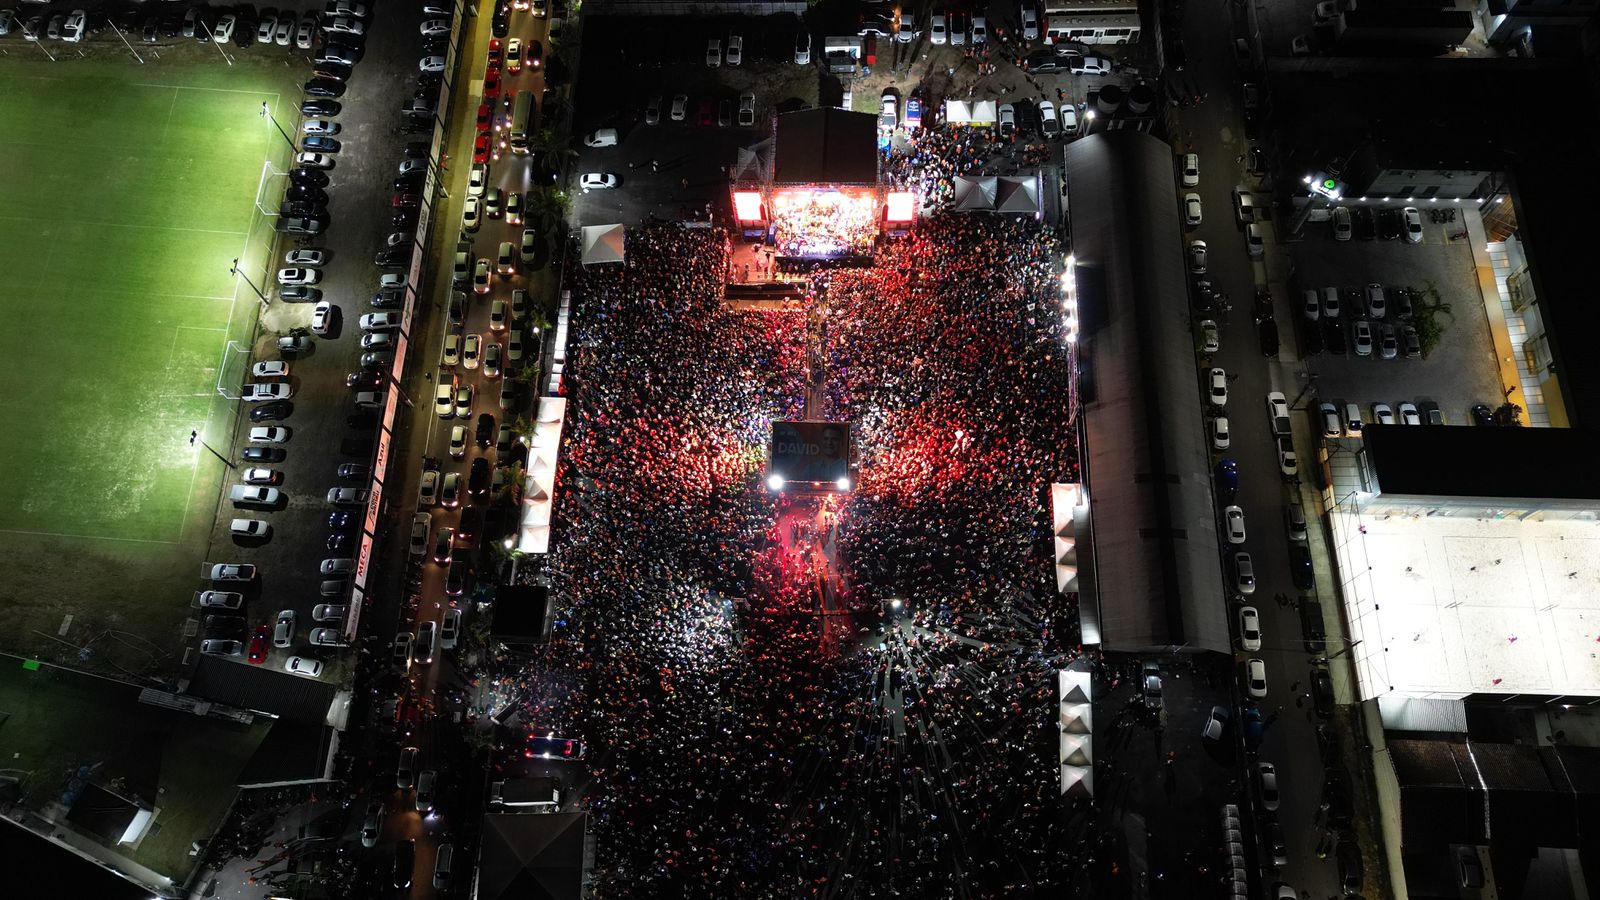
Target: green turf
127 193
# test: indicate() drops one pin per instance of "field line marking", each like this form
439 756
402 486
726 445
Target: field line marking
190 87
120 225
85 537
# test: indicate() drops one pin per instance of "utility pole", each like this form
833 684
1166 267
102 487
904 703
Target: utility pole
266 113
195 436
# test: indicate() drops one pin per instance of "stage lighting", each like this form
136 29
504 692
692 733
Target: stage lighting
775 481
843 482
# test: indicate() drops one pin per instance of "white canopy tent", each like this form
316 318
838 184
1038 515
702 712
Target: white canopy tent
957 112
1077 732
538 486
602 244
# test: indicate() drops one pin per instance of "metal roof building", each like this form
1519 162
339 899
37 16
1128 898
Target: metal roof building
1157 582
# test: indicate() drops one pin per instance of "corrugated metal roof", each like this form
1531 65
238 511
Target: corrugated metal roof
1157 558
262 689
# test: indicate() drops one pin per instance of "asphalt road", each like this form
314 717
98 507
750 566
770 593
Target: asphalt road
1215 130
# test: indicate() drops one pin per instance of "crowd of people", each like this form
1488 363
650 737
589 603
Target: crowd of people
733 743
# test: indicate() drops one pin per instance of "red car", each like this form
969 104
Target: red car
480 149
491 85
704 115
485 114
258 645
406 201
495 54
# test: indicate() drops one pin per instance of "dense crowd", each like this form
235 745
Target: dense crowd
736 750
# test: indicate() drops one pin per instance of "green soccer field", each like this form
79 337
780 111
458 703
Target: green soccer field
129 192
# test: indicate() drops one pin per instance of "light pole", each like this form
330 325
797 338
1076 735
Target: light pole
195 436
266 113
212 35
388 375
235 270
122 34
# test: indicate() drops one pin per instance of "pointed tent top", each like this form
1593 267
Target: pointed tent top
602 244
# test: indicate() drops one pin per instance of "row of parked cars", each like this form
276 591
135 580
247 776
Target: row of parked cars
1369 223
1381 323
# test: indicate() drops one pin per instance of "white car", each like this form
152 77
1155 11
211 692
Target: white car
1382 414
1089 65
1008 119
1049 122
601 137
1197 257
305 257
260 392
1210 339
233 572
1328 415
332 612
938 29
1363 337
271 369
250 528
346 496
299 665
680 107
430 64
327 637
1413 225
428 489
1255 675
714 53
313 160
450 628
464 402
433 27
219 599
1219 433
1267 779
595 181
477 180
1288 462
1249 629
1233 516
451 353
472 350
320 126
889 112
345 8
350 25
735 50
1030 23
444 398
1278 413
1191 170
322 317
296 275
1218 391
472 214
802 49
1191 209
223 32
283 631
1408 414
259 475
458 442
269 434
1342 229
380 321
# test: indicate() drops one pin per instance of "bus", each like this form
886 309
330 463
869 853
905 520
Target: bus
522 121
1090 7
1121 28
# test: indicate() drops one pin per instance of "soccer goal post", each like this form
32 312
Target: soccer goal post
230 374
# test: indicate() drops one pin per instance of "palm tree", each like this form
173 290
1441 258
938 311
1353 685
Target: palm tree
555 149
546 211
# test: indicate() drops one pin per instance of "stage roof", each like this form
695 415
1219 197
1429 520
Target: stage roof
532 857
827 146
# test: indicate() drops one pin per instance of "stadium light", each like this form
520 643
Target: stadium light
843 482
775 481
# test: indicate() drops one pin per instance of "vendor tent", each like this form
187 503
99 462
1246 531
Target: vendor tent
957 112
985 112
975 193
1018 194
602 244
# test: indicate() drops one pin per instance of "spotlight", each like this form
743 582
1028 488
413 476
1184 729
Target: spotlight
843 482
775 481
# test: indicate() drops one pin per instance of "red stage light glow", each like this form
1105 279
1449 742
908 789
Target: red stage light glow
747 206
900 207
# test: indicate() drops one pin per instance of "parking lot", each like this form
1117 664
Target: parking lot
693 158
1458 373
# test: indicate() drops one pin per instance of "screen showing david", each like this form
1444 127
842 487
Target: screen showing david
810 451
